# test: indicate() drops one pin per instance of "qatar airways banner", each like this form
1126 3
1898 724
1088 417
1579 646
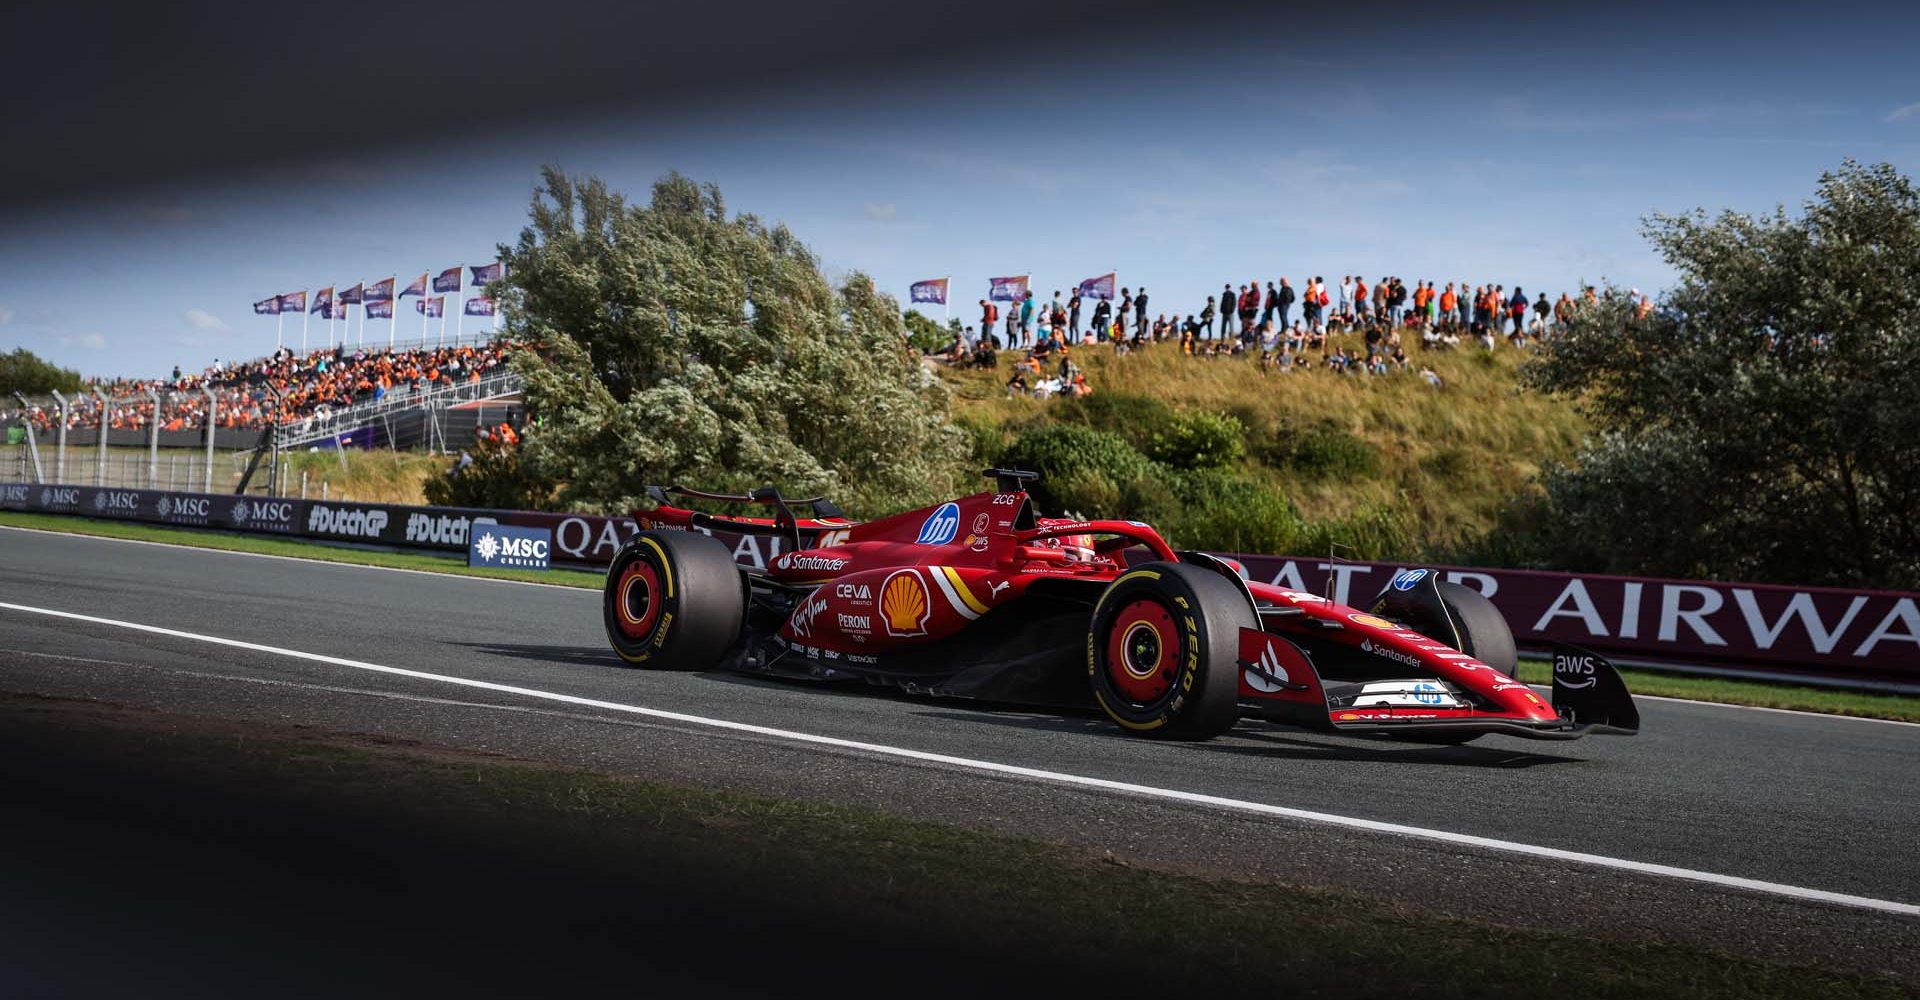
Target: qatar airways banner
1865 634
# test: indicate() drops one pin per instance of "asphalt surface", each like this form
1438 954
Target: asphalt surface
1803 800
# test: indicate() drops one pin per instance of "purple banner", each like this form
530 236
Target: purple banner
417 287
380 310
447 280
1857 633
380 291
487 272
294 302
479 305
267 307
323 302
351 296
932 290
1007 289
431 307
1099 288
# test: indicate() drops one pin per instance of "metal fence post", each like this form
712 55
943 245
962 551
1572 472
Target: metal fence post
153 441
60 451
213 410
100 459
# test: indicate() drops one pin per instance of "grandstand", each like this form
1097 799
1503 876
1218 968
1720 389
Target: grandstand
216 429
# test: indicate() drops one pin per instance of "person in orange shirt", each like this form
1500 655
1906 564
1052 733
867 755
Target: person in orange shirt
1448 302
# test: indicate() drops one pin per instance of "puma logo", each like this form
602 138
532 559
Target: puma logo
994 589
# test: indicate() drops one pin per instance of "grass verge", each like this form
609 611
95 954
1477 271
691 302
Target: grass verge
286 547
1732 692
886 886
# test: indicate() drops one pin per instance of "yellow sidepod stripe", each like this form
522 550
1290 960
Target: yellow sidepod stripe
954 586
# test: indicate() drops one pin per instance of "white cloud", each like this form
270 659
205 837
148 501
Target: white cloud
90 341
200 319
882 212
1903 111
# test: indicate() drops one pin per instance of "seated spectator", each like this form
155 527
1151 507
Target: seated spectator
1432 377
1017 385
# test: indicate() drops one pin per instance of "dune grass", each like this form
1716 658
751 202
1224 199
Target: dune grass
1448 458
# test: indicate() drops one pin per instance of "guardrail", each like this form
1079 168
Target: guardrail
1853 638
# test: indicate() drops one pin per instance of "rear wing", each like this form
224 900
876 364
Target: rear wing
823 514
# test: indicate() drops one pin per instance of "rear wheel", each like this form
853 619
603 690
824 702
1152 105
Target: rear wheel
1161 651
672 601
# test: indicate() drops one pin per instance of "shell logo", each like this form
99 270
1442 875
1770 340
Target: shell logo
904 603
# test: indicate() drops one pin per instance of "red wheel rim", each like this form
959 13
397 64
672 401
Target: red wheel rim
1142 651
637 599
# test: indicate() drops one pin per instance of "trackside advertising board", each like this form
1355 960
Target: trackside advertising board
500 546
1845 634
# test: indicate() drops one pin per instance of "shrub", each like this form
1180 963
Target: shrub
1080 468
1230 513
1323 452
1134 418
1198 440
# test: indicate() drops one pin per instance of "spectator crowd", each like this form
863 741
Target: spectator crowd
1249 321
285 388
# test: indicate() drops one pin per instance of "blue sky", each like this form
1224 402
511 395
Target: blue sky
1182 165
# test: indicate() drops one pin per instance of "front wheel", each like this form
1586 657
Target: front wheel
673 601
1162 650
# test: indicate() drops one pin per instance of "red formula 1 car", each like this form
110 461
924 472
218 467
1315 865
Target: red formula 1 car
983 598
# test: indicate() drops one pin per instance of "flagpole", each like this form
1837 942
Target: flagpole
440 339
279 319
393 320
304 316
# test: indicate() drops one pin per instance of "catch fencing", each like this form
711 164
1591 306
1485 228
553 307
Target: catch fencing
1850 637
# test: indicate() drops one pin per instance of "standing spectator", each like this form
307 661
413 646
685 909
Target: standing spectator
1517 308
1249 307
1101 313
1284 302
1140 313
1026 318
1126 306
1541 308
1229 303
989 319
1206 318
1346 296
1073 314
1380 300
1272 306
1360 304
1013 327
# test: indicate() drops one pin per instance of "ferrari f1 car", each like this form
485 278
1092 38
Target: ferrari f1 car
983 598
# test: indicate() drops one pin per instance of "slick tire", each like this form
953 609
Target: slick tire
673 601
1483 629
1163 648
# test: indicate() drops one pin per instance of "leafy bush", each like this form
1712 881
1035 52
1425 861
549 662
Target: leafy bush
1136 419
1323 452
1198 440
496 480
1230 513
1081 469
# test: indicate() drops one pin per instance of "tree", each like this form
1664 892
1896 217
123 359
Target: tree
25 372
679 344
925 335
1760 423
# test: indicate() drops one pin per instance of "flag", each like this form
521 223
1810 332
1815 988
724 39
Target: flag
323 302
294 302
432 308
418 287
267 307
479 305
382 309
1007 289
447 280
350 296
380 291
1098 288
930 290
487 272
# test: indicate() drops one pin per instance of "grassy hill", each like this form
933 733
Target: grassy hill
1389 464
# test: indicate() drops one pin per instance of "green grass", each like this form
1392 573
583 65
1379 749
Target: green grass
874 873
286 547
1734 691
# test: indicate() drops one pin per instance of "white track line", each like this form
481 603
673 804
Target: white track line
586 590
1054 777
442 574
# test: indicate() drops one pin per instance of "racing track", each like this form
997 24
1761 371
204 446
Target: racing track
1822 803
